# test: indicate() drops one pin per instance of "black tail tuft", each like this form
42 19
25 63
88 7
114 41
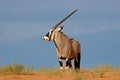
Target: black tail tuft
77 61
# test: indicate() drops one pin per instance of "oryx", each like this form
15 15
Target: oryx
66 48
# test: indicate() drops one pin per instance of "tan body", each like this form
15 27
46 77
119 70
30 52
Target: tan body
66 48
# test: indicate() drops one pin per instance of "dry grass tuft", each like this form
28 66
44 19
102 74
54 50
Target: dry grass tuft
16 69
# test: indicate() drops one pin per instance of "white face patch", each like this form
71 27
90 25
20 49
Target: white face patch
50 32
46 38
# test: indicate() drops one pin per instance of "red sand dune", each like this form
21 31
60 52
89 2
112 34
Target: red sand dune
115 75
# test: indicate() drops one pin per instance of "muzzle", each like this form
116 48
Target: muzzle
46 38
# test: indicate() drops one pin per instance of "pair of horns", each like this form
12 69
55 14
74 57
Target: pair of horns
60 22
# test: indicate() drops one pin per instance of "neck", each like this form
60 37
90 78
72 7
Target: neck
60 40
56 45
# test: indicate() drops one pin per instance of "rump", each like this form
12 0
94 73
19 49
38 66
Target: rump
75 45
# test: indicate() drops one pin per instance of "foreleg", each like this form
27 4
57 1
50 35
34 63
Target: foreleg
61 64
70 64
67 63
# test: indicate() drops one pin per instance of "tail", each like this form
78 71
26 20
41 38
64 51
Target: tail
77 61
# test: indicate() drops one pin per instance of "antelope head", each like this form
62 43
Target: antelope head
50 35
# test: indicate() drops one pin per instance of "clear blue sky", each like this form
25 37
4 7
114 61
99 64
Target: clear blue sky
23 23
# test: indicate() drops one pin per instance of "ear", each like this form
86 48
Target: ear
60 28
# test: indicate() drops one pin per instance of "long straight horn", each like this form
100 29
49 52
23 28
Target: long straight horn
64 19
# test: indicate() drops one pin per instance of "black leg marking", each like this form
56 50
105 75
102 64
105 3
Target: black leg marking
60 62
77 61
70 64
67 62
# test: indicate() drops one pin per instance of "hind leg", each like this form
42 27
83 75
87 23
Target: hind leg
77 62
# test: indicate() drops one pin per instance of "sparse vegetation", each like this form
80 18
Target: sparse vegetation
80 76
16 69
99 70
52 73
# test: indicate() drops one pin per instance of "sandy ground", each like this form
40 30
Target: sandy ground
63 76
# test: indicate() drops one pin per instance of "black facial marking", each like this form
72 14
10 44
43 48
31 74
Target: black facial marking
47 34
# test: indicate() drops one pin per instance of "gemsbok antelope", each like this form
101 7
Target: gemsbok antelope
66 48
